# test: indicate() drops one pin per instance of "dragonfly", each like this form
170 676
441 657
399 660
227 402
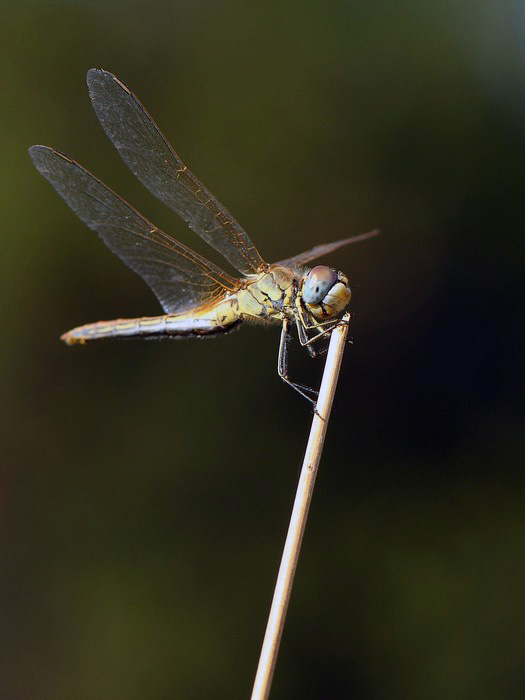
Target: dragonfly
198 297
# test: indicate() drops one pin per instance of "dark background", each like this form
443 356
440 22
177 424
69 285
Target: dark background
146 487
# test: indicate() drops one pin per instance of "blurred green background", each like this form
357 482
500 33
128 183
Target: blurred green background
146 487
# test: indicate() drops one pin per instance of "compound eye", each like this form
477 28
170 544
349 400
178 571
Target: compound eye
318 282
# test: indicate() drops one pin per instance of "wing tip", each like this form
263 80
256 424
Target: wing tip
361 237
37 151
94 72
369 234
97 77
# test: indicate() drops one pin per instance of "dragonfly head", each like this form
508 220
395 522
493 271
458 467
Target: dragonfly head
325 292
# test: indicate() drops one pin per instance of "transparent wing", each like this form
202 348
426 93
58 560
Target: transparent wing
180 278
153 161
319 250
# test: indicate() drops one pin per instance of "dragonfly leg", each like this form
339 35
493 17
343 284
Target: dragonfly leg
303 338
322 333
308 342
282 366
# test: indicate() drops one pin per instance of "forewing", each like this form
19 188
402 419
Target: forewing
153 161
180 278
319 250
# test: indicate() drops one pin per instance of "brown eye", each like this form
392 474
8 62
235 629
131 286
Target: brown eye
318 282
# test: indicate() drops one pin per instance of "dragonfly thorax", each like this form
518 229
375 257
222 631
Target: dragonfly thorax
325 292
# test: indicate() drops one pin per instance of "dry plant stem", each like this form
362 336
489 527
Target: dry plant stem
303 498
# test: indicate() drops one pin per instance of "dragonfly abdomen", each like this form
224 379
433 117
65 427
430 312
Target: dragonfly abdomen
217 318
120 327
